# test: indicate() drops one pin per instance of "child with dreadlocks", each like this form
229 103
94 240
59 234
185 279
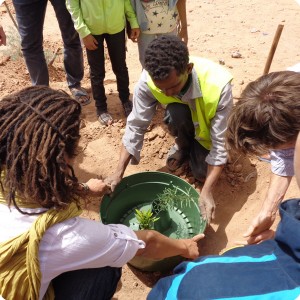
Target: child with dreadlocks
42 237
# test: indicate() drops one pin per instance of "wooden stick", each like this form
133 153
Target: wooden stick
11 16
273 48
54 56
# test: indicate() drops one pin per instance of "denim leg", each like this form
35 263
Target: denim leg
30 18
91 284
117 53
96 62
73 57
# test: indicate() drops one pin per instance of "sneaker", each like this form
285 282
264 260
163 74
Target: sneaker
127 106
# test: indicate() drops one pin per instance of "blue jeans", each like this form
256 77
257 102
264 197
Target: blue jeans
117 53
30 17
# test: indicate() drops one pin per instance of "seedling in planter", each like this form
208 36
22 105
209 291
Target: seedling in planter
170 198
146 219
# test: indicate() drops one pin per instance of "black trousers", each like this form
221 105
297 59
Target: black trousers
87 284
179 121
96 58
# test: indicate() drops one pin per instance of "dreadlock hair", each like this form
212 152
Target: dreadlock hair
164 54
267 115
39 128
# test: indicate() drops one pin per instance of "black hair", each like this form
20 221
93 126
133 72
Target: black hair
165 53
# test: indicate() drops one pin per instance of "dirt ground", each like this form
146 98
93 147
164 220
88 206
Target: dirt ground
216 30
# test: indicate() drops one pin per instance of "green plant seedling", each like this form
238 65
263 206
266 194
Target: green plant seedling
169 198
146 219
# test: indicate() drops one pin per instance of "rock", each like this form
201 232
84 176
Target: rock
222 62
122 130
241 82
236 54
164 150
82 124
152 136
233 182
238 168
160 155
231 175
4 60
160 132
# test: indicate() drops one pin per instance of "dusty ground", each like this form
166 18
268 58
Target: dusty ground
216 30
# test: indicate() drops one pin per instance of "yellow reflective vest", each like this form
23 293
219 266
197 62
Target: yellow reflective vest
212 79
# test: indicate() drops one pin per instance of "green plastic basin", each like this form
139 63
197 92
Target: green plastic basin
138 191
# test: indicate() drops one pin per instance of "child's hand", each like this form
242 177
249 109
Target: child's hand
135 33
90 42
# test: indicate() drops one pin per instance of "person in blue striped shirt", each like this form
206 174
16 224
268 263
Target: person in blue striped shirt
268 270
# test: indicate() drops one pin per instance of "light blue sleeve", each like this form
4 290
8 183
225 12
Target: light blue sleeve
282 162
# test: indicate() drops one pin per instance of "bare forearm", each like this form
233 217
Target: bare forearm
213 174
124 159
277 189
159 246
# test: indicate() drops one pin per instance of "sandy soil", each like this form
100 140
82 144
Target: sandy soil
216 30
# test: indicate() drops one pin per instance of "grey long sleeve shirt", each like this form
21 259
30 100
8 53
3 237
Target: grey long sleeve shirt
144 107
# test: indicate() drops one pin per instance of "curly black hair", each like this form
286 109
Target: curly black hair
165 53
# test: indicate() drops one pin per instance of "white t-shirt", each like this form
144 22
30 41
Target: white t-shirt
74 244
160 18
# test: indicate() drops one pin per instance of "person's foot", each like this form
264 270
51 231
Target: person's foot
127 107
175 158
105 118
81 95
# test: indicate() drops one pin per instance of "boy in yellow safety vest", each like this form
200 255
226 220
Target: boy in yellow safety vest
198 98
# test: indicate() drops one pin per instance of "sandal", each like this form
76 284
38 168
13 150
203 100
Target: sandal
175 158
127 106
105 118
80 95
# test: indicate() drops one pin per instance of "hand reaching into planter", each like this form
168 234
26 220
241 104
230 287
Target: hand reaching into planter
115 178
192 249
159 246
94 187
